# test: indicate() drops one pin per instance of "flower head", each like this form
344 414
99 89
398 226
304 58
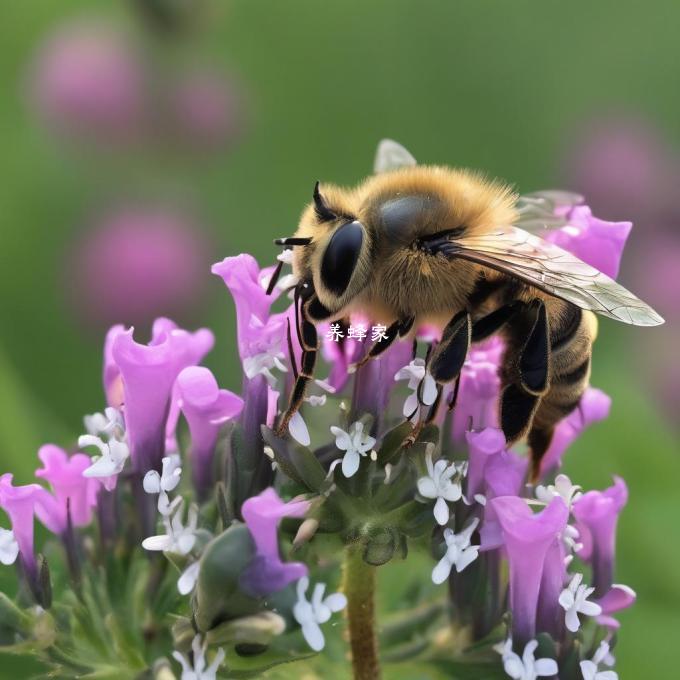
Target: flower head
73 491
527 667
574 601
618 597
197 670
459 552
438 484
591 668
415 373
164 482
355 443
109 464
311 613
179 538
262 514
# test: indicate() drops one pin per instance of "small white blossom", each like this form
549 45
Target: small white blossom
574 600
167 481
178 538
355 444
298 429
438 485
9 548
110 423
459 552
199 671
416 374
526 667
263 363
563 488
114 453
590 669
310 614
187 581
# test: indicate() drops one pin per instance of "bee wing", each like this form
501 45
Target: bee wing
391 155
540 211
546 266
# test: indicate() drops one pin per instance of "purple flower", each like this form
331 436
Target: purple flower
483 445
148 374
260 335
593 407
206 109
21 503
477 402
71 489
262 514
206 407
86 80
528 538
137 262
597 514
618 597
594 241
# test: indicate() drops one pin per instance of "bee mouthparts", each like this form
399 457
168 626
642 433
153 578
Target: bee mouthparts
292 241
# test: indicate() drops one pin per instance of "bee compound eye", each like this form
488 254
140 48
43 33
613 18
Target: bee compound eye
341 256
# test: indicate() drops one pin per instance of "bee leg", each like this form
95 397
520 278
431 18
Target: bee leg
529 376
309 340
397 330
493 322
445 361
539 440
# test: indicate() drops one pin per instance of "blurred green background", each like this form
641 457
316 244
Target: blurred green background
510 88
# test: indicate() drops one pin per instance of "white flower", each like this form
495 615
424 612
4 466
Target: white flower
527 667
354 443
574 600
199 671
563 487
437 484
298 429
9 548
310 614
110 423
114 453
178 538
187 581
589 669
263 363
459 552
416 374
570 537
165 482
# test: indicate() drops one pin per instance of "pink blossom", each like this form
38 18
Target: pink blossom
262 514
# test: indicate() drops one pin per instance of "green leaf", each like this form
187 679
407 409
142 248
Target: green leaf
393 441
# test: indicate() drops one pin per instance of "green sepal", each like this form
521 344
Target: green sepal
219 596
393 442
380 545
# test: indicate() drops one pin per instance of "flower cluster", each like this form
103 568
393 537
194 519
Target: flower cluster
260 517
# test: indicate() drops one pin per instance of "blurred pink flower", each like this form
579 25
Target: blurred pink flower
136 264
620 163
206 109
86 80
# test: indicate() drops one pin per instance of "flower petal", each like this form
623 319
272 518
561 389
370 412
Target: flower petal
298 430
350 463
441 511
441 571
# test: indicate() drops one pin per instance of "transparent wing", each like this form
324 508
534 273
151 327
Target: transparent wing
391 155
537 211
546 266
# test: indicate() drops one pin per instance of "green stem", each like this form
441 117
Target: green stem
359 588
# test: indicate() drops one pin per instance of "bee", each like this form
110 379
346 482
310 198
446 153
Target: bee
430 244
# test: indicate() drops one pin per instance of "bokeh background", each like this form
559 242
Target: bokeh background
142 140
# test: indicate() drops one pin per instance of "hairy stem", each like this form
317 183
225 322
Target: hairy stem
359 588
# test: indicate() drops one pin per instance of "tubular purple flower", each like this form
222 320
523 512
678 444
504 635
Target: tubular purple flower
267 573
483 445
206 407
593 407
597 514
595 241
148 374
618 597
71 489
479 389
21 503
527 538
550 615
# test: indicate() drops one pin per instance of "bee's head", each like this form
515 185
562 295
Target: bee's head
337 256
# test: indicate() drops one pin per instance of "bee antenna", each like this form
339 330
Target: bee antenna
323 212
